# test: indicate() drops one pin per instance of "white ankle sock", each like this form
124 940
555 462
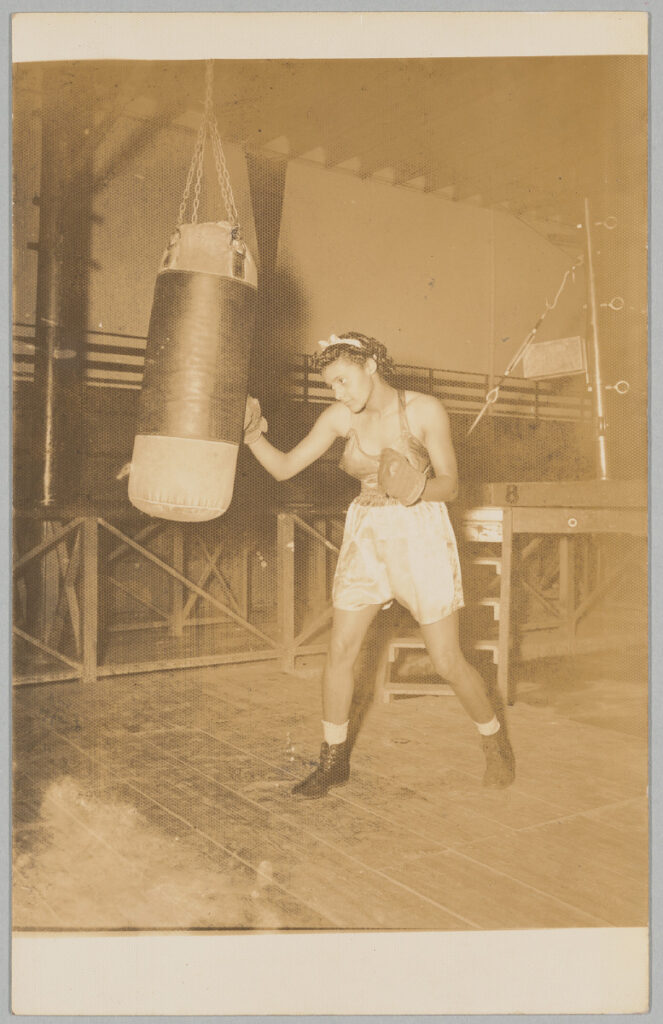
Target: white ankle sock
334 734
488 728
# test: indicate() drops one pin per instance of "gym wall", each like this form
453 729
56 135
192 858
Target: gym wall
437 281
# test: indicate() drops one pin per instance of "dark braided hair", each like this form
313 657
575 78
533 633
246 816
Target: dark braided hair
371 348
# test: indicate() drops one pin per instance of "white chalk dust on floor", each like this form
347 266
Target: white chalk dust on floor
106 887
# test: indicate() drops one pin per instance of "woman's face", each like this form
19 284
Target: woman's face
351 383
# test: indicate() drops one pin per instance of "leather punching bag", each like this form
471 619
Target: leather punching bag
191 407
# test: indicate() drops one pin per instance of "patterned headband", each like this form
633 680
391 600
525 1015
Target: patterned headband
334 340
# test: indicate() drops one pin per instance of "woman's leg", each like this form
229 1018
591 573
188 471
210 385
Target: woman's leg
448 660
347 636
443 644
349 629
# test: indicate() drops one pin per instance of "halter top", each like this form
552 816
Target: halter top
363 465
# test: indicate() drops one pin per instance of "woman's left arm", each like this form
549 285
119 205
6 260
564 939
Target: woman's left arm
433 421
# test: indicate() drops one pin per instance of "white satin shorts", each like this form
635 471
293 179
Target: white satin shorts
403 553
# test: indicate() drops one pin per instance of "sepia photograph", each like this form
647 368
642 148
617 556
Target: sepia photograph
330 462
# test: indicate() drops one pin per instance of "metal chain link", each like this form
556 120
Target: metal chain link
209 124
196 163
224 179
198 185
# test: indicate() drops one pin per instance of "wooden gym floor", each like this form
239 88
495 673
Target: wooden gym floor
162 801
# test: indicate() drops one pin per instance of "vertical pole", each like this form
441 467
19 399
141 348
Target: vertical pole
61 310
90 597
504 628
285 540
491 312
594 359
62 283
177 595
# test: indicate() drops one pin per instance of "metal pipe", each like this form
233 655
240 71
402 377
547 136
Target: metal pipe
594 359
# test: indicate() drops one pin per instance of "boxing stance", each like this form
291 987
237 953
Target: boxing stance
398 542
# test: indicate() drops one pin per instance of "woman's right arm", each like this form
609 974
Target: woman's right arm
331 424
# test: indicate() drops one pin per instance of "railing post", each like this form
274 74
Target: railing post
177 595
317 576
90 597
536 401
285 542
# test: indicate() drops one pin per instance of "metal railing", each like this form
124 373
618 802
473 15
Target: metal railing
463 392
116 361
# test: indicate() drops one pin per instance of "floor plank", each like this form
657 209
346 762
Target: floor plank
95 830
540 858
164 800
493 899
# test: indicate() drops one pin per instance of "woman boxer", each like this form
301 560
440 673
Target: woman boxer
398 541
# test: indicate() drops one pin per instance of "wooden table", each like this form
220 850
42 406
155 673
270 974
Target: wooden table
508 513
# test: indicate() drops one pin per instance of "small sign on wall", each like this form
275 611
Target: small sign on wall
560 357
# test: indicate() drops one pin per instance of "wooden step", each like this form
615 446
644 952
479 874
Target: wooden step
393 687
405 643
494 560
491 602
488 645
386 687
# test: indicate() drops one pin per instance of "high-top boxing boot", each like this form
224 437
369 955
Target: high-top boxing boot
500 760
333 770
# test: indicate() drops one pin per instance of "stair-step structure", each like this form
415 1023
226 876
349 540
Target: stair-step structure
483 526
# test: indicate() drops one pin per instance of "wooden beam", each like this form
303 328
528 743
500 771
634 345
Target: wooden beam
188 583
46 649
90 598
405 171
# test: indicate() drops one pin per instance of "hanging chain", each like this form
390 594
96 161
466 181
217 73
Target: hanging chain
194 168
224 178
209 125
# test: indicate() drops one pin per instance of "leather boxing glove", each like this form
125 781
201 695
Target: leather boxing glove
399 479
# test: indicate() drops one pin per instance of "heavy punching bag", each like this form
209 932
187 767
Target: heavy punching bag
191 407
